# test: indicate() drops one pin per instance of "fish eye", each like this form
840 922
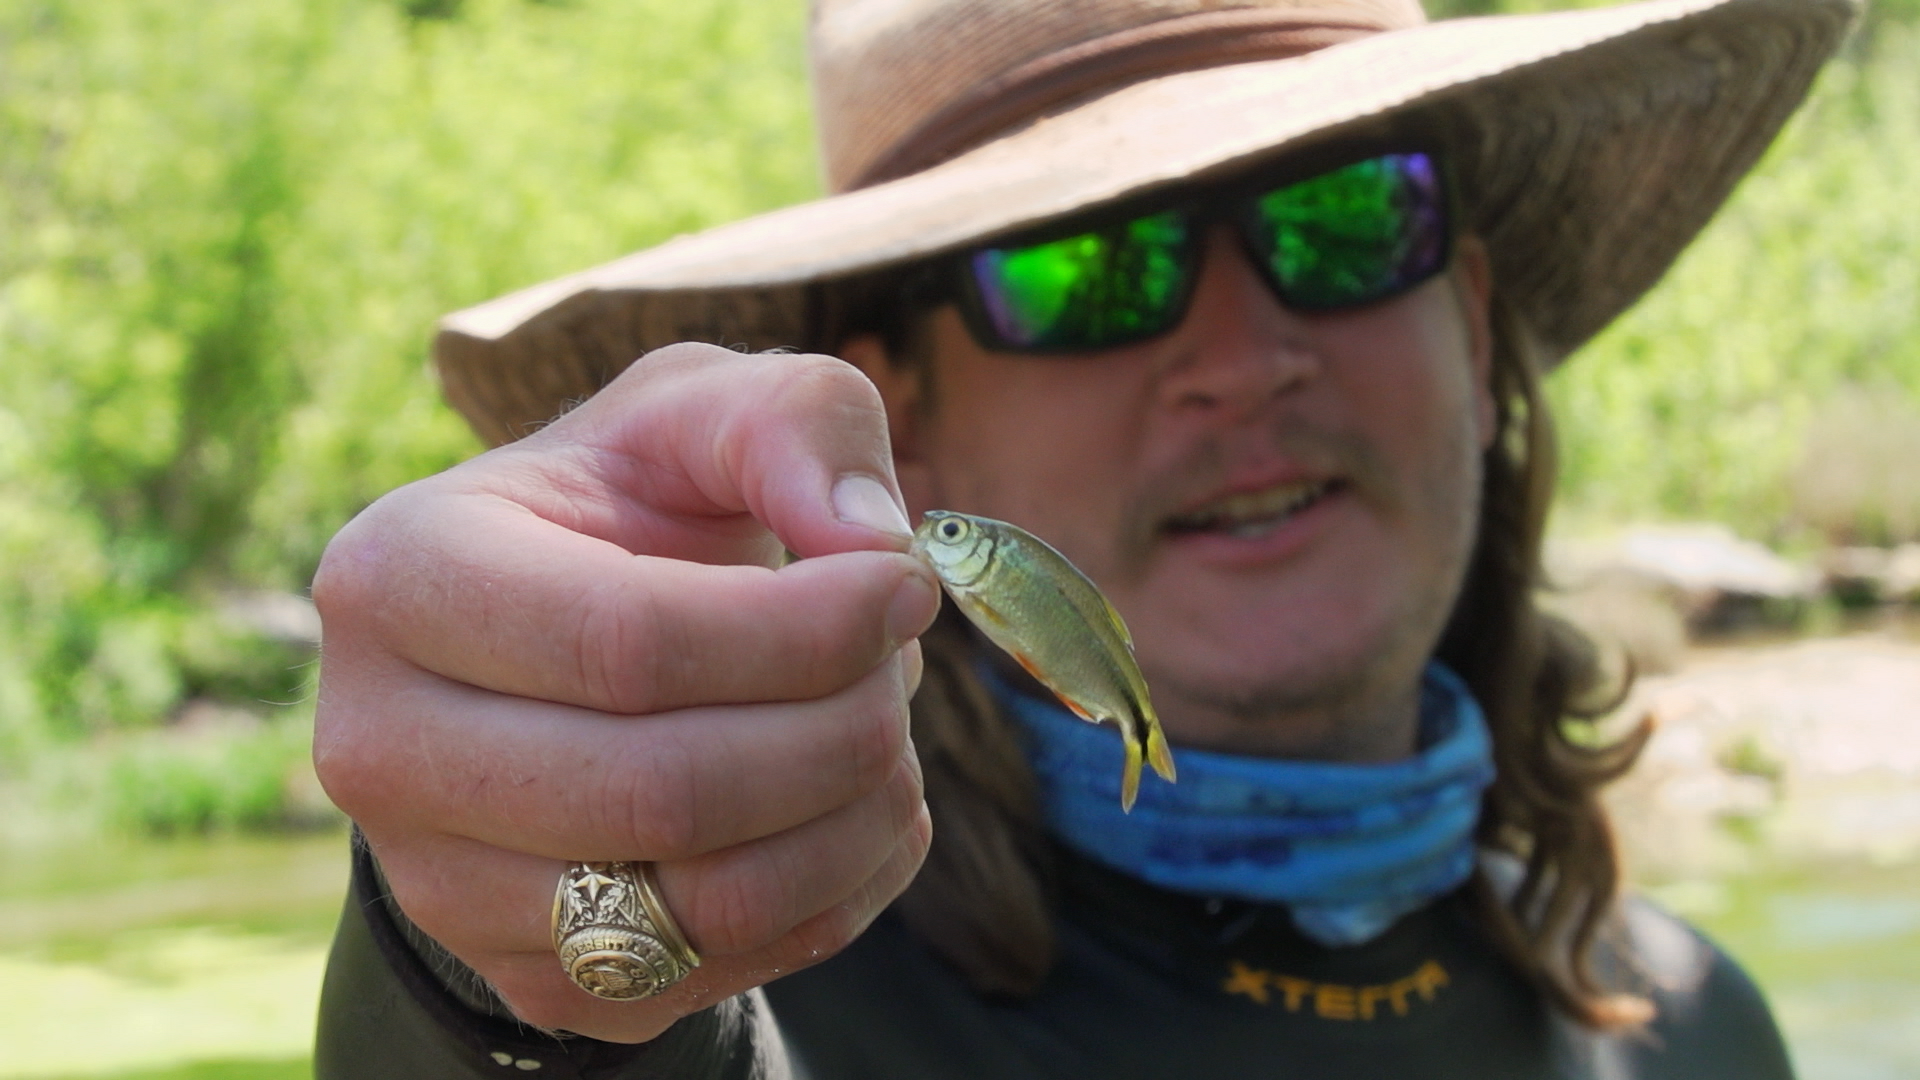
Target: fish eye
950 529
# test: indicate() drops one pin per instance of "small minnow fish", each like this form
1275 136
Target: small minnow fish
1029 600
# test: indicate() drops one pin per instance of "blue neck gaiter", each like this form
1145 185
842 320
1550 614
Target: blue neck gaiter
1349 849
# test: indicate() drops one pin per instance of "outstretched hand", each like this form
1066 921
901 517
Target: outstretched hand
582 647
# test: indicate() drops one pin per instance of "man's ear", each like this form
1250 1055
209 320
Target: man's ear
903 395
1473 284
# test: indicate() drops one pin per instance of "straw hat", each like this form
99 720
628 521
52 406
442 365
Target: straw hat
1591 146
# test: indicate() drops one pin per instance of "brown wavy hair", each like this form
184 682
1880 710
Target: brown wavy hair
981 900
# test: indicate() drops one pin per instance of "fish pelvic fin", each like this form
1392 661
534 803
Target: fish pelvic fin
1026 663
1130 776
1076 708
1033 669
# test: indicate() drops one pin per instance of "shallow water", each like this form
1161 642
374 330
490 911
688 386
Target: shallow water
181 960
1837 949
201 959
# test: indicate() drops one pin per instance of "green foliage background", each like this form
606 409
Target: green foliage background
1778 365
226 229
225 232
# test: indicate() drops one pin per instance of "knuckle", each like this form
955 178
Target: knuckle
352 772
440 906
653 802
622 647
436 909
922 833
341 583
875 735
736 911
907 793
680 358
846 634
822 936
353 583
347 784
913 852
539 1002
812 382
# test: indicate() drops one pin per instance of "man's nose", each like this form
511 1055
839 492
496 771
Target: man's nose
1237 349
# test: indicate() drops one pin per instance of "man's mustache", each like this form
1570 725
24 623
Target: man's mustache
1205 470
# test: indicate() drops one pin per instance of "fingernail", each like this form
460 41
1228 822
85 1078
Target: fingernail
912 608
862 500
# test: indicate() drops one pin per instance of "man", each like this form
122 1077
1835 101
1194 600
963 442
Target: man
1241 306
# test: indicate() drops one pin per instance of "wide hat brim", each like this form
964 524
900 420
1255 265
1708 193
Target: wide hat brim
1590 147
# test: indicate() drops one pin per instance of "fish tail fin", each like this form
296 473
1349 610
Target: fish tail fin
1130 777
1159 755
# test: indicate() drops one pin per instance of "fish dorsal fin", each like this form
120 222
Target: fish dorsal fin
1118 623
1081 593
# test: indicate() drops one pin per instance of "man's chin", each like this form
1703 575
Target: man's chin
1329 706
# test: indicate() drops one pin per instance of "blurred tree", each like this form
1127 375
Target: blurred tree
235 385
225 231
419 10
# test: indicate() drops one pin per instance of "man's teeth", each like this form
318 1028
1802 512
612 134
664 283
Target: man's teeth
1254 513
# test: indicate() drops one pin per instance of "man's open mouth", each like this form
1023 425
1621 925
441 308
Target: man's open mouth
1253 514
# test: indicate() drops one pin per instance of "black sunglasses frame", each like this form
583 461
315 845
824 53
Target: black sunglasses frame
1230 202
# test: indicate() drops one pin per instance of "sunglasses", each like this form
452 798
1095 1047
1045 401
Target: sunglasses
1353 235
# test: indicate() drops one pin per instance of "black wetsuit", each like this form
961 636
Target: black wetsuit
1149 984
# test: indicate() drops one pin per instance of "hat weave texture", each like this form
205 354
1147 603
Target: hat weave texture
884 82
1591 146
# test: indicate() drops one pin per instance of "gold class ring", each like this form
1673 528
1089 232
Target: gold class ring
615 937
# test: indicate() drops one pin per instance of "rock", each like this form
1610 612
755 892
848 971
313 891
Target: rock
1863 576
1857 576
1903 574
1630 613
1807 748
1717 580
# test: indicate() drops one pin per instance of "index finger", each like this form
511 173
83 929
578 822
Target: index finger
579 565
490 596
694 442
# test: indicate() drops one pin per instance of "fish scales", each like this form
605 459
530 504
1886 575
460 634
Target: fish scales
1059 651
1029 600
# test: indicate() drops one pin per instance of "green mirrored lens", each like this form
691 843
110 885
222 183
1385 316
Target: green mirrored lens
1356 234
1100 288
